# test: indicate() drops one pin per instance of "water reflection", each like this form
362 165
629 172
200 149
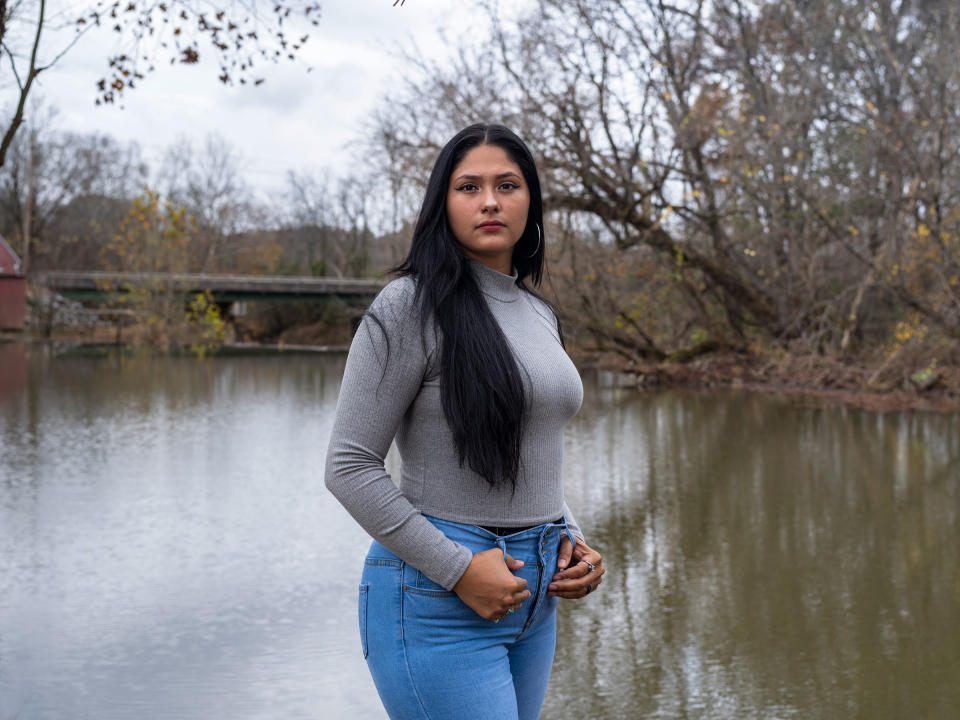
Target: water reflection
165 542
766 561
13 371
167 550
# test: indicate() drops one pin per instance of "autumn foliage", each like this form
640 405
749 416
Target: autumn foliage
155 240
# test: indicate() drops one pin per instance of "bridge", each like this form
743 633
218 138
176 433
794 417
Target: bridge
224 288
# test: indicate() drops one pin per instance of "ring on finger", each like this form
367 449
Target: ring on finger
589 588
590 565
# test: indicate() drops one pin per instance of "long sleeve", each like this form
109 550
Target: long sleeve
384 373
571 521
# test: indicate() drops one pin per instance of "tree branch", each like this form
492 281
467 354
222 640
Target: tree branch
24 88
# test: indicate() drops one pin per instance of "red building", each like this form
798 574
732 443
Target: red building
13 289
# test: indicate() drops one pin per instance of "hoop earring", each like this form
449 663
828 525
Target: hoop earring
537 248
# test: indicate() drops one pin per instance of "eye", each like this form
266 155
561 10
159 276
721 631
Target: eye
467 187
509 186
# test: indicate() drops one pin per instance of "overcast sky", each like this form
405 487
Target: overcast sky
295 120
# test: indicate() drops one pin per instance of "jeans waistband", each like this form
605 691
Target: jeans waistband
504 531
456 531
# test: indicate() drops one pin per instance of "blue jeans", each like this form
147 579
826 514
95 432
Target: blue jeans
431 656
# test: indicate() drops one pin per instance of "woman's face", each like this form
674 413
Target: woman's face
487 205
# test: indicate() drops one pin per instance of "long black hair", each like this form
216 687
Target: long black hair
481 389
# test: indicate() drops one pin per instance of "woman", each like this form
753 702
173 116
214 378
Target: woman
460 362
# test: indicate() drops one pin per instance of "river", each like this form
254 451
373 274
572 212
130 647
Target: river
168 550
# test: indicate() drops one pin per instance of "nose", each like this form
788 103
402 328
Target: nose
490 202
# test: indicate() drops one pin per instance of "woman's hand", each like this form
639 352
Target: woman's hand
576 579
489 587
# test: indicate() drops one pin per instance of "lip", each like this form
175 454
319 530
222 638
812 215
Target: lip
491 224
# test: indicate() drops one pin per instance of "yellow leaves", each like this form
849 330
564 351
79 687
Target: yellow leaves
912 329
762 118
862 130
922 230
667 95
206 326
902 333
852 229
154 237
787 178
870 106
750 252
724 132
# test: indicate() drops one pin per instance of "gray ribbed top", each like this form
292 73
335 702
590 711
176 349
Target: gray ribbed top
398 396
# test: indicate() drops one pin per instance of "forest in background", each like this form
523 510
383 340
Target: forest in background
761 190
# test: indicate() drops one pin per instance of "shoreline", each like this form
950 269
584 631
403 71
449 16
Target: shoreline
725 371
827 382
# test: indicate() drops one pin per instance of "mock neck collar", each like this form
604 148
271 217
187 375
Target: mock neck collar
495 284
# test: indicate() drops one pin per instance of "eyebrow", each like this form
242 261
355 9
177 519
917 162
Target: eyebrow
501 176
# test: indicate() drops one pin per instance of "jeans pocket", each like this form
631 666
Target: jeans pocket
362 614
432 588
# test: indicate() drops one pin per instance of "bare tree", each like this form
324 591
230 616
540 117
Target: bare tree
310 202
72 174
208 183
328 228
779 171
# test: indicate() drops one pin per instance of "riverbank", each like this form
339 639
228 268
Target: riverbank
820 380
